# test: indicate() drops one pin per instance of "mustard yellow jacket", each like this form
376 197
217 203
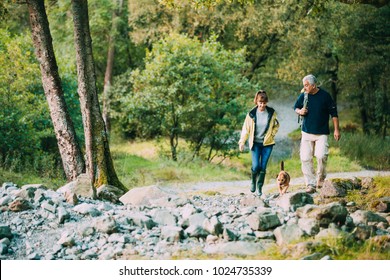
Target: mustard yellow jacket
248 129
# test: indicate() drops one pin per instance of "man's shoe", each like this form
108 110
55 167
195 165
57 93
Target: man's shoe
310 189
320 183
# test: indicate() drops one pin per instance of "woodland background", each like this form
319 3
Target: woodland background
181 75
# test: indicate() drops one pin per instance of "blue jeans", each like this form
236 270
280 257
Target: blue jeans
260 156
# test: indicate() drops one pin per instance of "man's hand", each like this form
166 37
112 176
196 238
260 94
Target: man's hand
337 135
303 111
241 147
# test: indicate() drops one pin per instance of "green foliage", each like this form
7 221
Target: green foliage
366 48
101 14
190 90
372 152
69 87
349 55
284 40
31 177
259 26
22 102
27 141
14 16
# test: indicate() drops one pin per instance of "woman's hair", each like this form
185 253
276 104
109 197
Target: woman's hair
310 78
262 95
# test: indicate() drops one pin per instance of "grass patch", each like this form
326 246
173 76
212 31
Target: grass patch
355 149
135 170
23 178
366 199
369 151
143 149
348 248
345 248
142 163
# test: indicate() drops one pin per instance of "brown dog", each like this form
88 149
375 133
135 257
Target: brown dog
283 180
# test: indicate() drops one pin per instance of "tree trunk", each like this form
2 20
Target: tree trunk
68 146
109 67
107 83
99 162
363 110
334 78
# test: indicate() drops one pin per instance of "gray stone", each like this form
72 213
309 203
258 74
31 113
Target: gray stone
87 209
294 200
288 233
172 233
164 217
263 220
140 220
5 200
196 231
144 196
367 217
310 226
106 224
213 226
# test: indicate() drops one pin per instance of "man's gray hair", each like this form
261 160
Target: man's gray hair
311 79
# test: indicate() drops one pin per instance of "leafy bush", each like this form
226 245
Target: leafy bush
189 90
27 139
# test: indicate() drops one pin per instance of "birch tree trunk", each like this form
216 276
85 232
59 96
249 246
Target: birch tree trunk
99 162
68 146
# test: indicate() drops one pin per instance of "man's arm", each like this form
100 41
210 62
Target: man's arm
336 125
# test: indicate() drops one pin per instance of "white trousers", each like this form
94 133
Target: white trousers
314 145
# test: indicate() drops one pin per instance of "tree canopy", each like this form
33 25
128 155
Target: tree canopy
189 90
222 52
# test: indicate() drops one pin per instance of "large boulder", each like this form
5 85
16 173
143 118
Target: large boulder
147 196
294 200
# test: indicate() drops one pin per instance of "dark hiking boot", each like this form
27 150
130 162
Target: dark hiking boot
253 181
260 183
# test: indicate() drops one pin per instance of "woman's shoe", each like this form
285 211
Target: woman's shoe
253 182
260 183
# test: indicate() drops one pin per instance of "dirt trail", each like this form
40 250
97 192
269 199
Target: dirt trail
238 187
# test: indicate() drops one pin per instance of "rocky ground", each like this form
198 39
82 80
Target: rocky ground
159 222
188 220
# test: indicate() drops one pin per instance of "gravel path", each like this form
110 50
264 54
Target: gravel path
238 187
